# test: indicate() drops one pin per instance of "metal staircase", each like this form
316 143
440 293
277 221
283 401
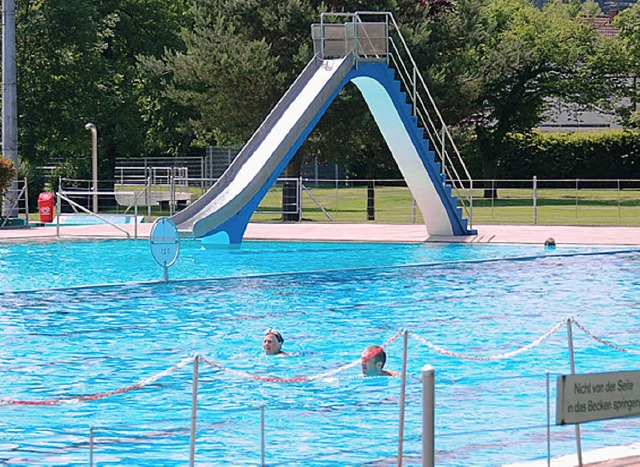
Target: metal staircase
375 37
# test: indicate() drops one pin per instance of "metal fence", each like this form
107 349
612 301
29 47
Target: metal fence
518 201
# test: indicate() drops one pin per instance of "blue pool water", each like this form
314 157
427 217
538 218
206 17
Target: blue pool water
64 336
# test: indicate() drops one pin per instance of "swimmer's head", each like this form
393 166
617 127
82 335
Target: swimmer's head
272 342
373 360
550 243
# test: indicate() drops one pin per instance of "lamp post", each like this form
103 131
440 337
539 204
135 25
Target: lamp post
94 159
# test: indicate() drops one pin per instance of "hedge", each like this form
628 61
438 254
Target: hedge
608 154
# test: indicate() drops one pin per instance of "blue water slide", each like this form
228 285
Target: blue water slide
225 209
228 205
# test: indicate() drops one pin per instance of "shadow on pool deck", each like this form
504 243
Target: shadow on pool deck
402 233
619 456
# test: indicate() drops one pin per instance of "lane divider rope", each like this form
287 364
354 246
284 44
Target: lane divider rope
451 353
302 378
93 397
602 341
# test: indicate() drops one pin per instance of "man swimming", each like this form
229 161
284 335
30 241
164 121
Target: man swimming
373 360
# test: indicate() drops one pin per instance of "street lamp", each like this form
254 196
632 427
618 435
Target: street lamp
94 159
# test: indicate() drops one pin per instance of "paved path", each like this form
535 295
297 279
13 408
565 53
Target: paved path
364 233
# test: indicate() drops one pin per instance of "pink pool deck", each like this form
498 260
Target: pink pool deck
403 233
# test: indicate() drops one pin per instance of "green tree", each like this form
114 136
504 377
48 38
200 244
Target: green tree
517 60
628 23
77 63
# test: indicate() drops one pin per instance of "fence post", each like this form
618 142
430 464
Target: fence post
619 202
428 416
91 446
548 421
576 198
535 200
405 335
471 204
299 200
194 410
573 372
58 209
262 434
135 213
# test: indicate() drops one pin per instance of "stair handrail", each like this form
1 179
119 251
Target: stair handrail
15 201
415 78
63 195
412 80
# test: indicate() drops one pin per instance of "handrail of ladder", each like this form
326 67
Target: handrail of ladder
15 203
62 195
432 121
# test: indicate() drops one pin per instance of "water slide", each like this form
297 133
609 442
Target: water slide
225 209
221 215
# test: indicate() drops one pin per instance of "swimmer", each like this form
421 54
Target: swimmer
373 360
272 342
550 244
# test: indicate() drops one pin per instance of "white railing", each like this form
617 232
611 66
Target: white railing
375 35
17 194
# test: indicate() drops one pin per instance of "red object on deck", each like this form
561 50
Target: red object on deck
45 206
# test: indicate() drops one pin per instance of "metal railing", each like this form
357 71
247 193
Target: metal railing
363 39
516 201
491 390
18 195
66 196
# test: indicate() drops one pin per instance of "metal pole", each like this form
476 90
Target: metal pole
471 205
9 100
415 93
58 207
262 434
548 422
573 372
135 213
403 388
94 163
577 198
428 416
91 446
535 200
619 202
194 410
26 200
443 156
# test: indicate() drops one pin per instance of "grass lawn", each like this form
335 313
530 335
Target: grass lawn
394 204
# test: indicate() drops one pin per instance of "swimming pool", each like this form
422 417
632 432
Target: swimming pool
64 337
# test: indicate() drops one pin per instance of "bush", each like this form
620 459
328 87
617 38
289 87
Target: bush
7 173
611 154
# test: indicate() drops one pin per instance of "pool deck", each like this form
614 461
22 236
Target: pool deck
563 235
402 233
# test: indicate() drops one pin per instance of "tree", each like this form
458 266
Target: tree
628 21
77 63
7 173
516 60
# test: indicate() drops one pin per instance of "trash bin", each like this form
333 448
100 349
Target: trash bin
45 206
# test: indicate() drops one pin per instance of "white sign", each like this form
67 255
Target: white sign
597 396
164 241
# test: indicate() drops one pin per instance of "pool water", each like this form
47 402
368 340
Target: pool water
63 336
